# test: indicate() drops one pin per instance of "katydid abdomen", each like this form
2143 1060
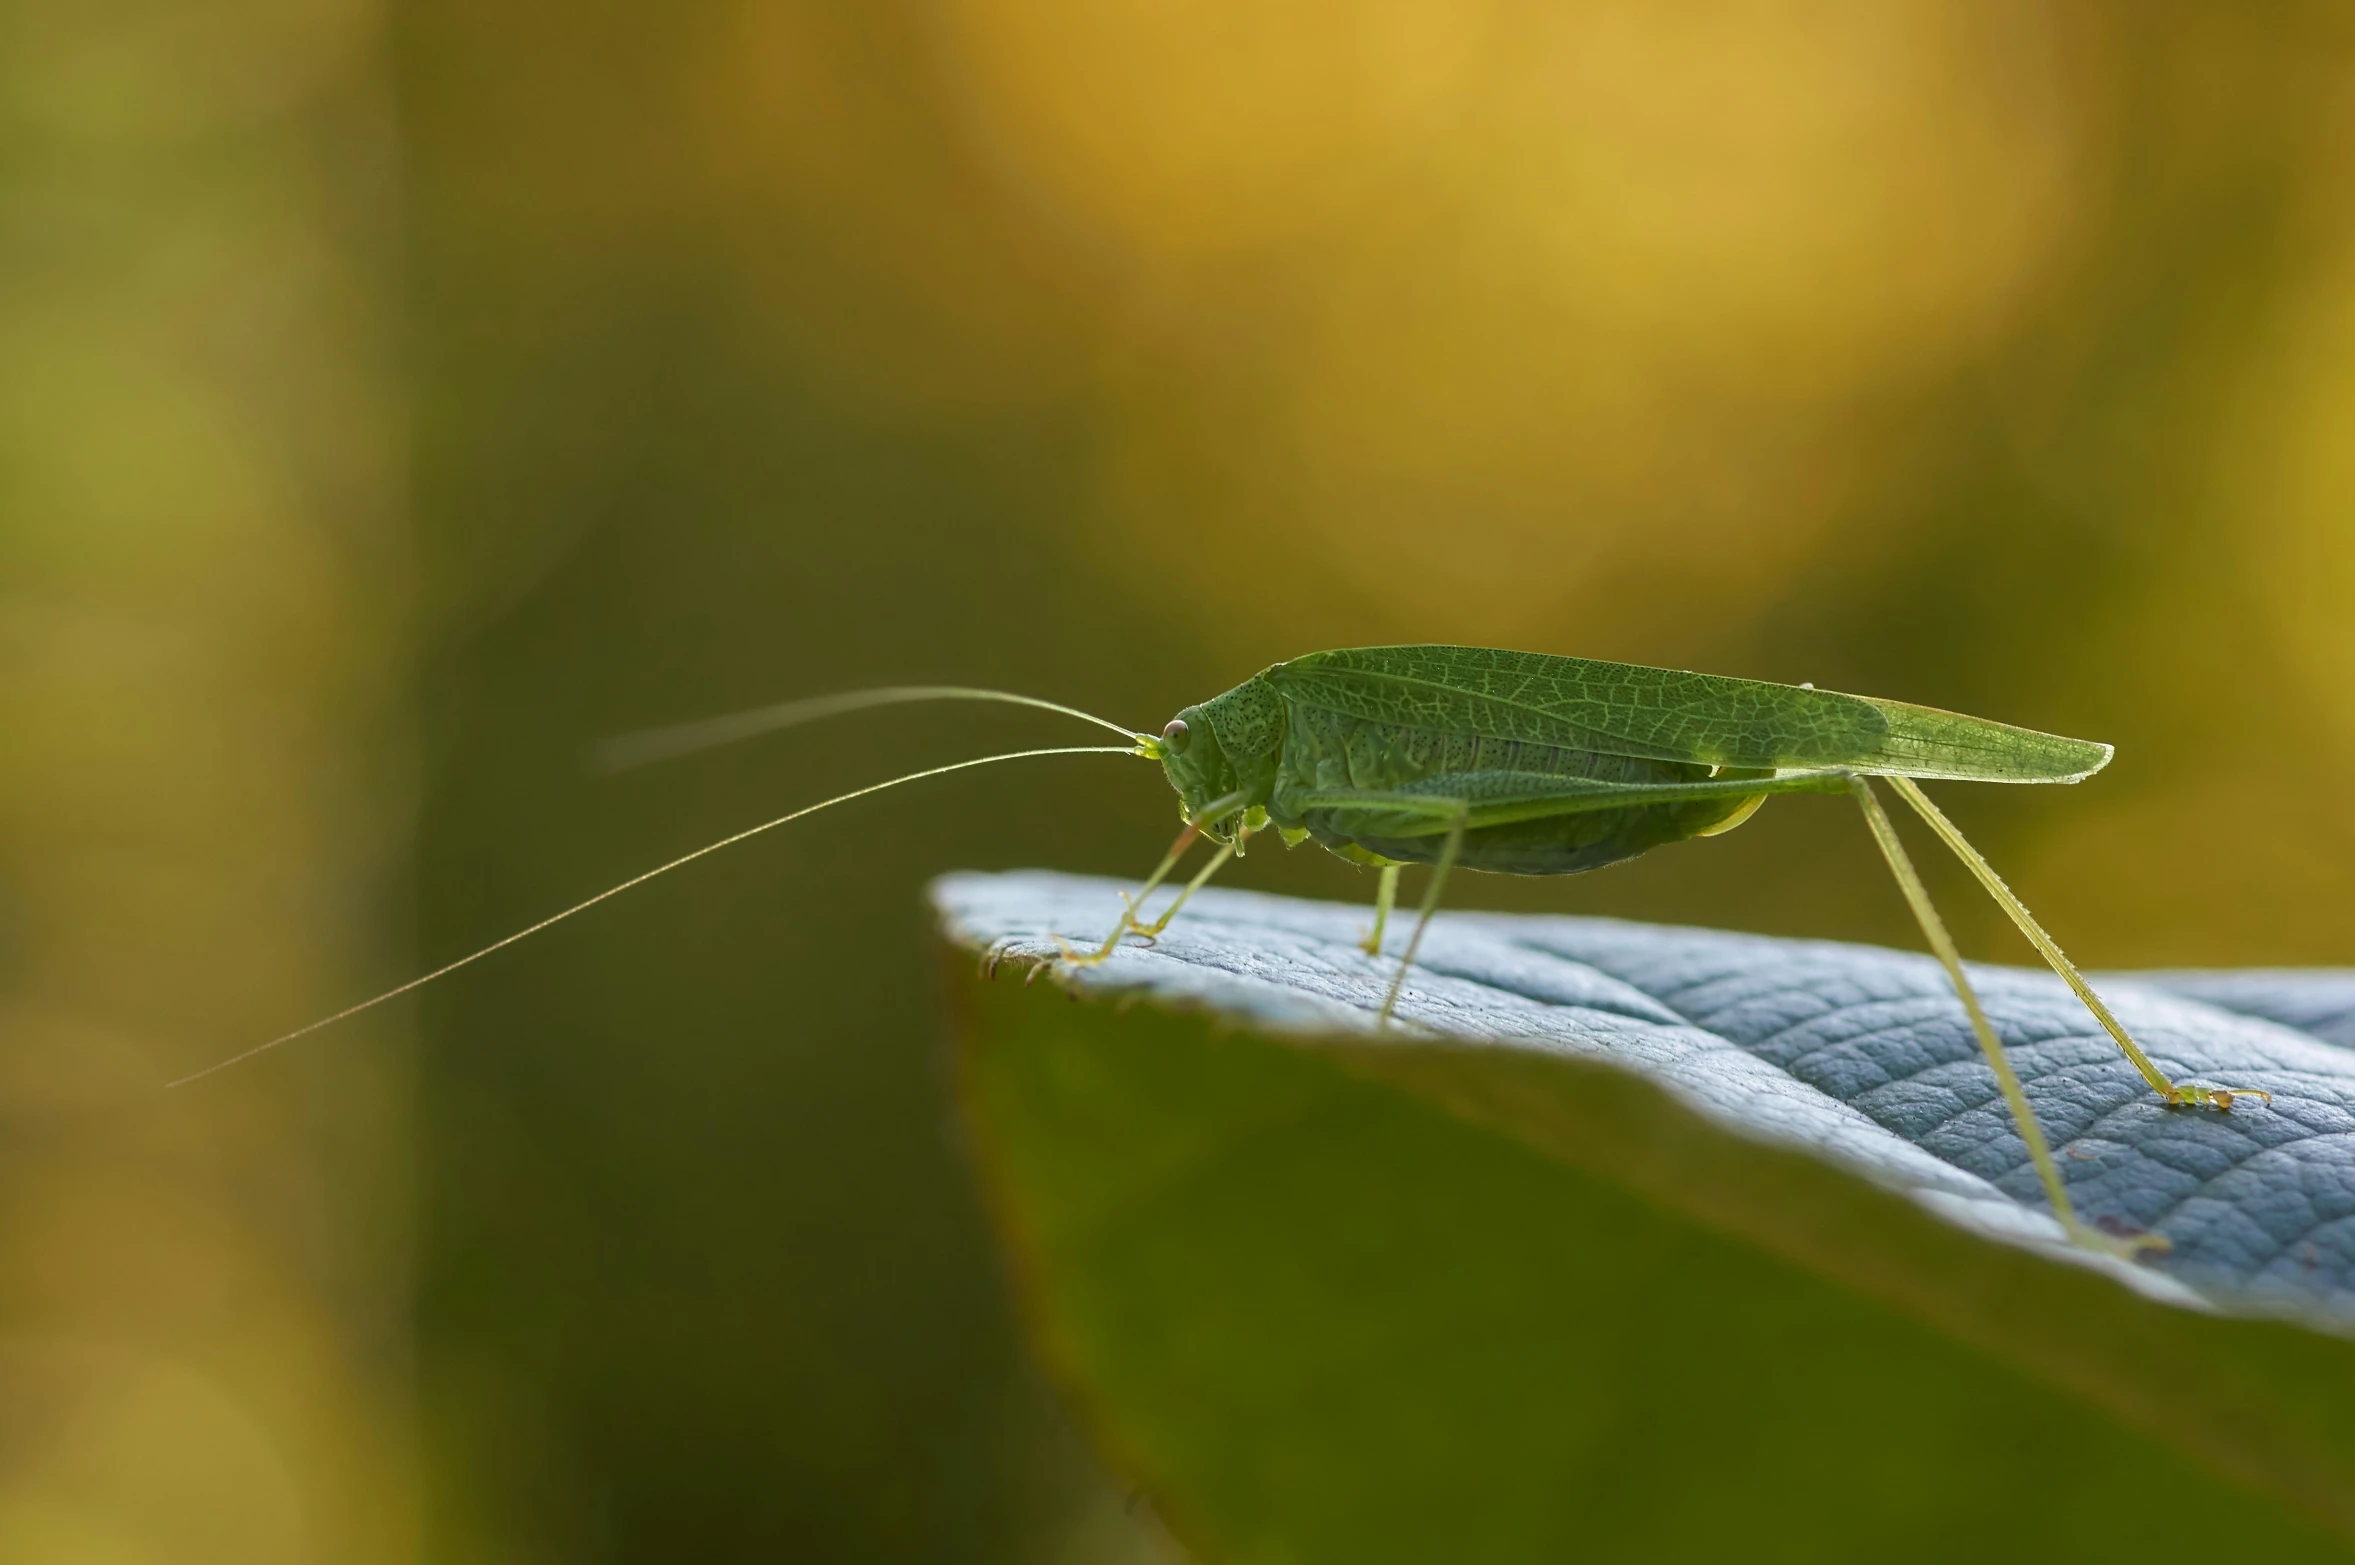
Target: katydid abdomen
1325 751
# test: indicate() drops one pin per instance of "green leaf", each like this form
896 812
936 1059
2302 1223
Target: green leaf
1658 1244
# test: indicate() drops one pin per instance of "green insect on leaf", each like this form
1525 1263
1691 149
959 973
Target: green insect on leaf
1513 763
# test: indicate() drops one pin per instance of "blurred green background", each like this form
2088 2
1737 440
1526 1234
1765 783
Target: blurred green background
397 399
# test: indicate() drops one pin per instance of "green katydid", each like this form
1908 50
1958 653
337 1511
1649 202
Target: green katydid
1517 763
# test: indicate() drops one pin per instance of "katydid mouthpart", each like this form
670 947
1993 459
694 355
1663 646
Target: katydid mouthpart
1511 762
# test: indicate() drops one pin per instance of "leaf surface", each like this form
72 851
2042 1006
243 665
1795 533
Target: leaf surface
1645 1243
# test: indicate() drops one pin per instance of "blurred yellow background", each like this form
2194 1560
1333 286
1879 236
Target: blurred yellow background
396 399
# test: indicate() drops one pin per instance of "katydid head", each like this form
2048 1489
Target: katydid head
1194 761
1221 754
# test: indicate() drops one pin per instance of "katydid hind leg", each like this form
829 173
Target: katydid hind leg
2007 1080
1542 804
2177 1094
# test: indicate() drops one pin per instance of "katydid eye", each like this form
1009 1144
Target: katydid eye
1175 734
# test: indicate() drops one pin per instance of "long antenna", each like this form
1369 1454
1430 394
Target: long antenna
640 880
662 744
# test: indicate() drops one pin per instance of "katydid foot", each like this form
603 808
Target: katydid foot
2189 1095
1075 957
2126 1247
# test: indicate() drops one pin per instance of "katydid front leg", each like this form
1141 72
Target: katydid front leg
1231 848
1210 816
